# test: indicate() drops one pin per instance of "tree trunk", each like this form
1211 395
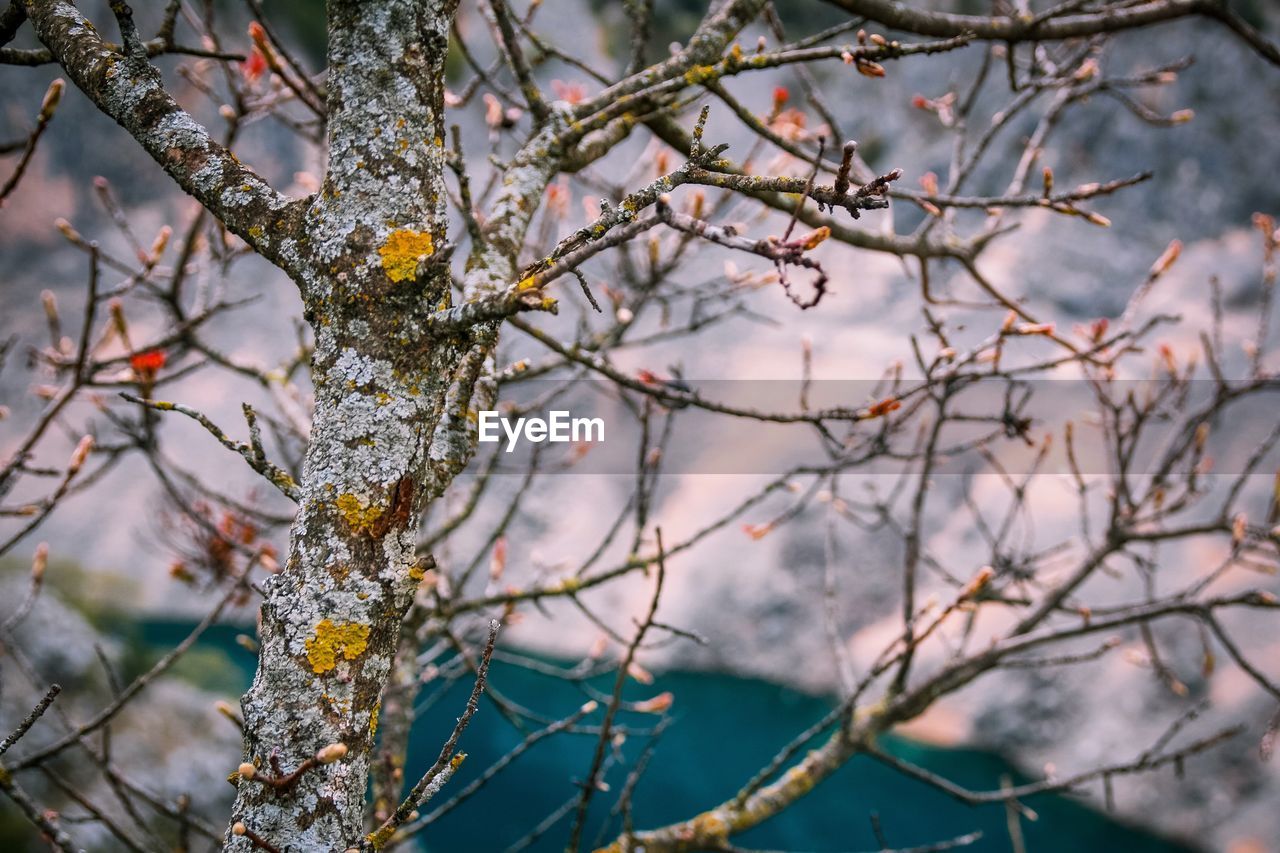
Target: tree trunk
331 619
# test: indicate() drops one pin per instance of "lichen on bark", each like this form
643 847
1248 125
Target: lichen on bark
331 620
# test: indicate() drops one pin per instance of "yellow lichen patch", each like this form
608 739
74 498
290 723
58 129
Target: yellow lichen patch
380 837
373 720
401 251
699 74
798 781
357 512
709 828
331 639
568 585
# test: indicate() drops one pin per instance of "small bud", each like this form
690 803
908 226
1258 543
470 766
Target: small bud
978 583
67 231
258 35
227 111
1048 181
698 201
247 771
1239 526
1166 259
39 562
867 68
657 705
331 753
493 110
116 309
814 238
225 709
238 828
639 673
52 96
79 455
498 561
884 407
1182 116
590 707
1087 70
878 40
159 244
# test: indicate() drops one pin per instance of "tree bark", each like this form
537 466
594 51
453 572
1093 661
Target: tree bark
331 619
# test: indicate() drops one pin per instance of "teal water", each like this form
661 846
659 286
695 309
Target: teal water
725 729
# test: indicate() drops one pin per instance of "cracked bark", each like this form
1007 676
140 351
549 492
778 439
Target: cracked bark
331 621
